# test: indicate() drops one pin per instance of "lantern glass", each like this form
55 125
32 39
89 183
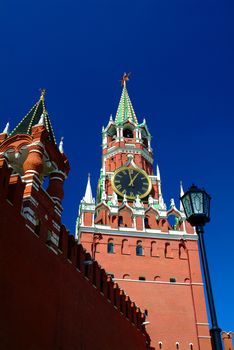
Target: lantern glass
187 205
197 202
206 204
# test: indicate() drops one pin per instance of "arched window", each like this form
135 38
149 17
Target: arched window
139 248
112 133
182 252
128 133
146 220
126 276
125 247
110 246
168 251
160 345
190 346
120 220
157 278
177 345
154 249
145 141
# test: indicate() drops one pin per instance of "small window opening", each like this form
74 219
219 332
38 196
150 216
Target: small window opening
128 133
110 248
120 220
172 279
145 141
141 278
110 274
160 344
146 220
190 346
139 249
177 345
146 312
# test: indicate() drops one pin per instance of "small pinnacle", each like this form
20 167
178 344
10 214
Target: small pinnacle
111 119
42 119
43 91
61 145
7 128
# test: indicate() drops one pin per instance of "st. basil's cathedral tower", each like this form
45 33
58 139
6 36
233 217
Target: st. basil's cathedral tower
148 249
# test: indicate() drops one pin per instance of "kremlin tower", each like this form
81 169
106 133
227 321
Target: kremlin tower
149 249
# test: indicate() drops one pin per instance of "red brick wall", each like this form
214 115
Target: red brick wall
47 303
176 311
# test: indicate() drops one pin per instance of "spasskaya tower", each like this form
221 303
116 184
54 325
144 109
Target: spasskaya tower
148 249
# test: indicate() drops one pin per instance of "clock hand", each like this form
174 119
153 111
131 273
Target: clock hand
132 180
130 175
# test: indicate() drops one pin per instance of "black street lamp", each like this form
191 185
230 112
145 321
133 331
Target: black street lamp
196 203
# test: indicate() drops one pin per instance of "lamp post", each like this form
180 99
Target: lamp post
196 203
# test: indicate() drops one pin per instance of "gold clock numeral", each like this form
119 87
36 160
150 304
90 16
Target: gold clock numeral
117 181
131 194
145 183
118 187
124 191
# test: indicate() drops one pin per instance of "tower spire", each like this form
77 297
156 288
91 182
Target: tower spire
125 111
6 129
88 197
181 194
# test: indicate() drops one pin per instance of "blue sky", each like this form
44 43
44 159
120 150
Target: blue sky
181 56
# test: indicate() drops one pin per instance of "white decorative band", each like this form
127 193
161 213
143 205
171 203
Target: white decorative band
32 171
56 178
36 151
204 336
150 281
202 324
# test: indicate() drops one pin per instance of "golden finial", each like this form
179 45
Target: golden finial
125 78
42 91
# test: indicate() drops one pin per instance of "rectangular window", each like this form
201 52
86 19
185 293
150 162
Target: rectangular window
172 279
141 278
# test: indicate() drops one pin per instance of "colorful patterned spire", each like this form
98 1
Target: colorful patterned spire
125 110
33 117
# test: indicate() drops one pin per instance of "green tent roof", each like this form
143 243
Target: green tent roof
32 118
125 110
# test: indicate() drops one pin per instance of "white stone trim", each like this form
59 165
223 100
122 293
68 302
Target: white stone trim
204 336
151 281
36 151
131 232
116 150
32 172
202 324
56 178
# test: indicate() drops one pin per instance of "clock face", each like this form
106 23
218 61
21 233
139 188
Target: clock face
131 182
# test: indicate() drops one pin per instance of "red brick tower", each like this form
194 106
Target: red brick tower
151 251
32 154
